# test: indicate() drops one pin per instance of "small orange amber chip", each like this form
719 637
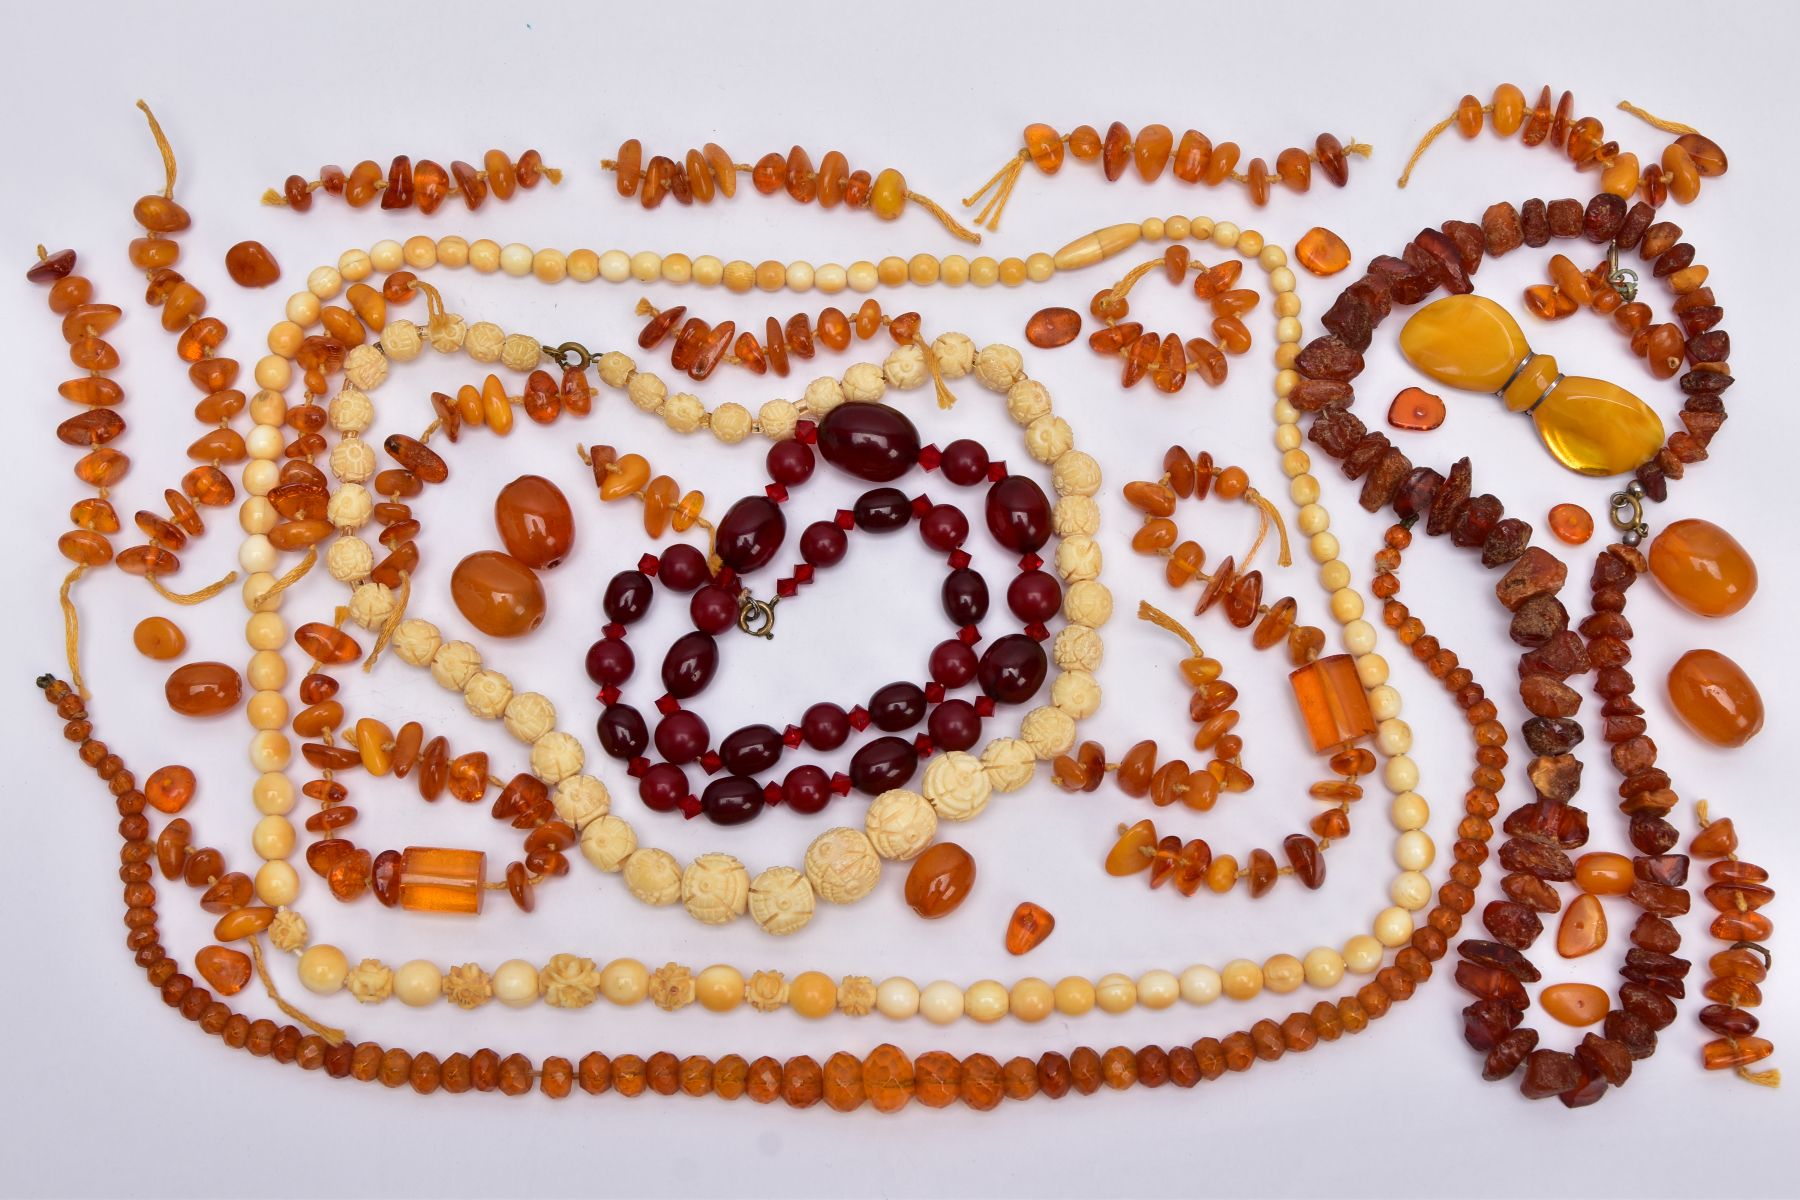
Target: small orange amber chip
1583 927
1030 925
169 789
226 970
1416 409
1571 523
1321 251
1575 1003
158 638
1052 327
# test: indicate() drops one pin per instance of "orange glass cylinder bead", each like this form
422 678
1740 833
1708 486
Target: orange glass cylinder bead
434 880
1333 705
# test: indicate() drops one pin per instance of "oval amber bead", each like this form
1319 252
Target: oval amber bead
203 689
940 880
1715 698
327 645
84 547
1703 568
1575 1003
536 524
1604 874
500 595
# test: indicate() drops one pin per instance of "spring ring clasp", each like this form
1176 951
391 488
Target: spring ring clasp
757 617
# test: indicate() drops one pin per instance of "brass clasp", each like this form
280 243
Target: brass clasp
1628 514
570 354
1623 279
757 617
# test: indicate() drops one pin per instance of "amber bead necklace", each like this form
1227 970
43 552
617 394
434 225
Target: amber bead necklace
1738 891
1534 853
700 348
702 174
1167 360
423 185
1685 161
1195 160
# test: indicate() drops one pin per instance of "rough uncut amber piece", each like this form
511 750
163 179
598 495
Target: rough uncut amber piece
437 880
1416 409
1715 698
1703 568
1333 705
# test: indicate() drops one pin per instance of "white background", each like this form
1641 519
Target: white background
107 1092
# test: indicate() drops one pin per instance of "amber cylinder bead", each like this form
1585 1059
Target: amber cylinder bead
434 880
1333 705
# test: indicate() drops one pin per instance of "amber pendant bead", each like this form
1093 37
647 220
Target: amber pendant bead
940 880
500 595
1715 698
535 521
1029 926
1703 568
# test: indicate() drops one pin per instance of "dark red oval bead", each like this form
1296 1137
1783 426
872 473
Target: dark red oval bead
750 750
683 568
823 544
713 609
663 787
882 510
897 706
1013 668
807 789
870 441
964 462
681 737
944 527
732 800
883 764
689 665
790 463
1034 596
1018 514
825 726
610 662
627 597
750 533
621 731
965 596
955 725
953 663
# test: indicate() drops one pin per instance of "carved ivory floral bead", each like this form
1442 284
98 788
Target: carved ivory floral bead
454 663
1075 516
555 756
1027 401
486 694
822 395
955 354
957 785
900 824
1009 763
569 981
715 888
529 716
998 367
1048 731
781 900
842 865
1077 648
580 800
652 875
1078 558
607 841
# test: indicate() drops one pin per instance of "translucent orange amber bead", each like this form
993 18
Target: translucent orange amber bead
1151 150
1703 568
1322 252
1333 705
436 880
1127 856
1045 148
1575 1003
1029 926
1715 698
168 789
1416 409
1571 523
889 194
1583 927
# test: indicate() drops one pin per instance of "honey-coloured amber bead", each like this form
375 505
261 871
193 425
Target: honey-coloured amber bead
1128 855
1575 1003
1715 698
1583 927
158 638
434 880
169 789
203 689
940 880
1322 252
535 522
499 595
1703 568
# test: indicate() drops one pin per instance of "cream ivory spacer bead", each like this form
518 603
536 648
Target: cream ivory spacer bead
615 266
267 709
484 255
1324 967
1201 984
1384 705
1346 605
272 838
1371 669
355 265
584 266
1414 851
941 1002
986 1001
1393 927
1392 735
624 981
646 266
322 969
270 751
418 984
277 883
324 282
1074 996
1283 973
1362 955
1303 489
719 988
268 670
1359 637
1408 810
453 251
1031 1000
1115 993
387 255
1158 989
515 983
1243 979
273 793
1410 890
830 279
1312 518
1323 546
1295 462
1271 257
1400 774
897 998
303 309
419 252
1334 575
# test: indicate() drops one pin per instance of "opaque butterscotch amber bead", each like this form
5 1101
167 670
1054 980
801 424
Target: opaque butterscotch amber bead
1715 698
443 881
1703 568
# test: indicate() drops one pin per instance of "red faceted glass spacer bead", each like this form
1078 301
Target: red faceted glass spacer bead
806 431
690 807
648 564
840 783
968 635
609 695
921 504
612 632
934 692
846 520
787 588
772 793
709 762
792 736
859 718
996 472
984 705
776 492
1036 631
959 559
727 579
1030 562
804 572
930 456
666 704
923 745
637 767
